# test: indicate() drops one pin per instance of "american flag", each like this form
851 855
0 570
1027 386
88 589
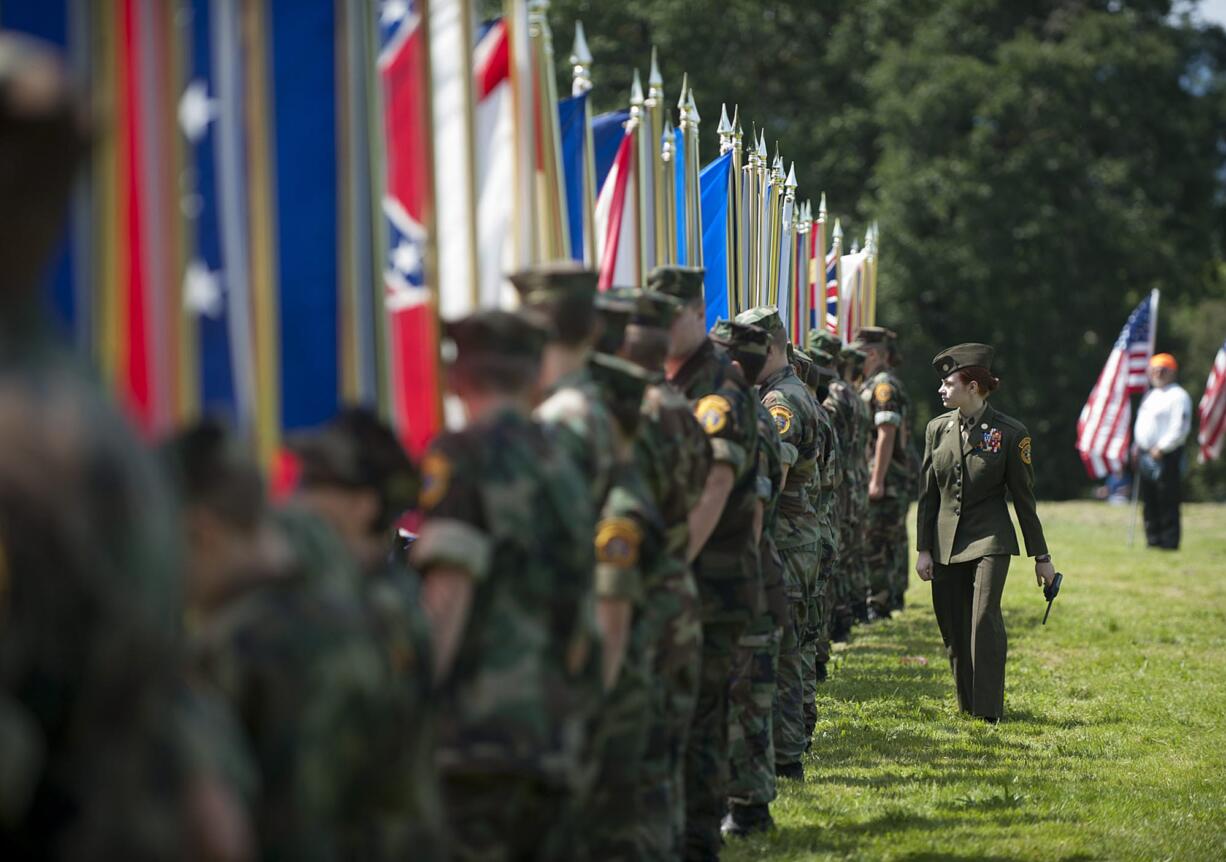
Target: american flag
1104 429
1212 410
832 292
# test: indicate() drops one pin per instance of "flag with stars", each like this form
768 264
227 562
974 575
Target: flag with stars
412 321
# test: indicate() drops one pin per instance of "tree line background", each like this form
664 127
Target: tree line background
1036 167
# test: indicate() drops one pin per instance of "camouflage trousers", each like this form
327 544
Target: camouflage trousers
751 696
853 545
661 826
818 651
800 565
886 549
506 818
611 823
706 756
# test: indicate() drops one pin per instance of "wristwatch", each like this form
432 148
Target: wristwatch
1043 558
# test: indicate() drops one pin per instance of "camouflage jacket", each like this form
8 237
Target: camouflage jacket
890 405
674 458
575 408
795 415
502 503
770 486
727 567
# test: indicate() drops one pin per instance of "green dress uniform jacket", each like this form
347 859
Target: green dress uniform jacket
962 513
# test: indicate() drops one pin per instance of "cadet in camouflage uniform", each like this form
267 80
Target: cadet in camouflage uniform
890 471
841 403
817 657
721 544
94 762
356 477
506 556
674 457
797 534
632 562
752 693
857 570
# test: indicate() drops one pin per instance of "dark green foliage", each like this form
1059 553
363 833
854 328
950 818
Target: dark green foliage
1036 168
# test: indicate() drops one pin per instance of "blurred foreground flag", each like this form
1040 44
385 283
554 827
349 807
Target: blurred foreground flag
1212 410
617 235
1104 429
714 185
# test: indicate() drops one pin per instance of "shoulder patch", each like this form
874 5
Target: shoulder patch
435 479
712 412
883 393
1024 449
783 419
617 542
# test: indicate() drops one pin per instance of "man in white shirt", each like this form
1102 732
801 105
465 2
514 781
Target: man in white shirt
1163 421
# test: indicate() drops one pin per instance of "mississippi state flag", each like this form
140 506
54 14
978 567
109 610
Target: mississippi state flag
412 323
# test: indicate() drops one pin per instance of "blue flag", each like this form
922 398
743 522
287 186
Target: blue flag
713 190
607 133
571 112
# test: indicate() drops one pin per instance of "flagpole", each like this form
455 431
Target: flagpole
556 245
635 126
667 211
693 209
727 144
581 83
653 109
1136 472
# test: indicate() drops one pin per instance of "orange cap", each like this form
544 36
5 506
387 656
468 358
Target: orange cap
1164 360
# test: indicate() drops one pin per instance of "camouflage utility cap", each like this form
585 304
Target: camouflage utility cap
875 335
681 282
765 316
742 336
541 285
496 334
822 341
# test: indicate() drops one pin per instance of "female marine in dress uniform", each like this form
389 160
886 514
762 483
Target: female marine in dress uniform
972 454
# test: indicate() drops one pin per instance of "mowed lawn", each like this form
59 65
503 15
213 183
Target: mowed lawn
1114 739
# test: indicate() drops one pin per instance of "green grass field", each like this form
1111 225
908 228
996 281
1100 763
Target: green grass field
1113 744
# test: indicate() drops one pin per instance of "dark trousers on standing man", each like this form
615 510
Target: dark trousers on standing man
966 598
1160 498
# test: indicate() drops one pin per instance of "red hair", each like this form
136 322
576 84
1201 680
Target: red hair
978 374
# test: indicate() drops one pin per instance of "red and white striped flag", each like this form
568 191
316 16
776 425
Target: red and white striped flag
616 230
1104 430
1212 410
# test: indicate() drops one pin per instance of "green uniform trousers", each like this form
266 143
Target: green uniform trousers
751 744
966 598
886 550
505 818
800 566
706 757
678 660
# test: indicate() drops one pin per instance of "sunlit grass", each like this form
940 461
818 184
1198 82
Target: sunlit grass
1114 739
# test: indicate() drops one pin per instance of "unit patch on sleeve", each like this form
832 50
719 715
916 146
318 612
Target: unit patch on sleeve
783 419
883 393
435 479
617 542
712 413
1024 449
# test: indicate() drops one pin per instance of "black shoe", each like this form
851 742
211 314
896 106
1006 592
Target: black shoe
745 820
860 611
790 771
990 719
822 673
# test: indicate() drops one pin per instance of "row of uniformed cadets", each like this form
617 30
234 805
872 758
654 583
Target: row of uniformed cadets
604 642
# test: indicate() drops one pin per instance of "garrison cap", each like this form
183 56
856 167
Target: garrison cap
823 341
655 310
960 356
744 337
765 316
541 285
875 335
681 282
494 334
